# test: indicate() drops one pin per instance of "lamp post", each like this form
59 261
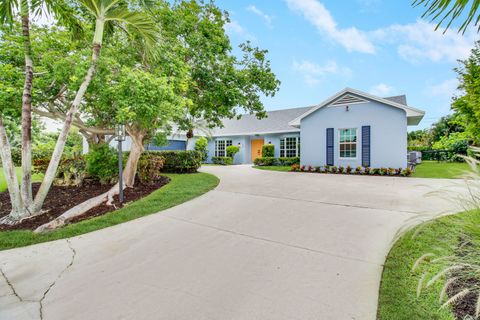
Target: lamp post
120 133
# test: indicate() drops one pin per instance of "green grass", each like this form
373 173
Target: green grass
3 183
398 299
433 169
273 168
182 187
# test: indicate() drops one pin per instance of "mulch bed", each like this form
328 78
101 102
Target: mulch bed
60 199
467 305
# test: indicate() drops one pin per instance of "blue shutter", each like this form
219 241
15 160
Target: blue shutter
366 146
330 147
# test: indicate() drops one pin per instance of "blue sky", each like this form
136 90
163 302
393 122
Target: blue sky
318 47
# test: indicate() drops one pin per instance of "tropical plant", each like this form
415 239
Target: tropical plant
268 150
232 151
201 146
450 10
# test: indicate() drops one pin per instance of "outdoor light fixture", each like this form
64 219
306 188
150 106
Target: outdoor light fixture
347 108
120 137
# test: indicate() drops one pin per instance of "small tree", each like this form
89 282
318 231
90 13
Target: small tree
201 146
268 150
232 151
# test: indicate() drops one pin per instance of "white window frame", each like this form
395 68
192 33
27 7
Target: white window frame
347 142
297 147
226 143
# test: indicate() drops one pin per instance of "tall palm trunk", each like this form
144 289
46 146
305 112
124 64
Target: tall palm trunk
57 153
26 184
12 181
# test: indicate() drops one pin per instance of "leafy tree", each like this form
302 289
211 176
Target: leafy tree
220 84
450 10
201 146
467 105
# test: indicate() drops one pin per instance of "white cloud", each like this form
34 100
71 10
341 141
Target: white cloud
417 42
315 12
233 27
258 12
382 90
313 73
445 88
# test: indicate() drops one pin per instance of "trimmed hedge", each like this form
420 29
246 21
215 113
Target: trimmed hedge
180 161
268 150
265 161
224 161
149 168
271 161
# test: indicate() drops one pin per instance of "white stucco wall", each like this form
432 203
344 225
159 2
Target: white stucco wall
388 134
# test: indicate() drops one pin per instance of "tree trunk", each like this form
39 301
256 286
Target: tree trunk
128 177
18 210
26 184
62 138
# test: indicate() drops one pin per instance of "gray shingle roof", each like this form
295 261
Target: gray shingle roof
276 121
402 99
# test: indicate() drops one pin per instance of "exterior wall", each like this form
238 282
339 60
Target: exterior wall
127 144
244 156
388 145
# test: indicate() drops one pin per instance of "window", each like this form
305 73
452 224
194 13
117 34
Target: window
221 147
290 147
348 143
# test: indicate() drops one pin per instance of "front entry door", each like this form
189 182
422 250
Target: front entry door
256 148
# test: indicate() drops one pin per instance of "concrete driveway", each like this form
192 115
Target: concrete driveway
263 245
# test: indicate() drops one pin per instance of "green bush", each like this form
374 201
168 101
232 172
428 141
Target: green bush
102 163
268 151
265 161
181 161
71 170
232 151
201 145
284 161
149 168
222 160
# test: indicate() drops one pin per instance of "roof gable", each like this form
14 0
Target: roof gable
414 116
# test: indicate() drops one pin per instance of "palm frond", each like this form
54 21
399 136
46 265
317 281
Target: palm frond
450 10
7 9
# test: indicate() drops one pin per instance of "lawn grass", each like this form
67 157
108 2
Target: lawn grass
398 299
182 187
273 168
434 169
3 183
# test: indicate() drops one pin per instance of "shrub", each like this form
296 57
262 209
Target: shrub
268 150
201 146
295 167
326 168
149 168
383 171
181 161
341 169
367 170
71 171
302 168
265 161
284 161
102 163
391 171
317 169
224 161
348 169
358 170
333 169
406 172
311 169
232 151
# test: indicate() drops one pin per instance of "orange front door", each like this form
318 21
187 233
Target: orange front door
257 148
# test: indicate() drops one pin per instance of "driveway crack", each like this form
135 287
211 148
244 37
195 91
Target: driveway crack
72 260
10 285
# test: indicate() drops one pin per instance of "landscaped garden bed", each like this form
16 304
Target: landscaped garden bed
350 170
62 198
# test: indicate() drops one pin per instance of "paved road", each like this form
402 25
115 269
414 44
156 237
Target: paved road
263 245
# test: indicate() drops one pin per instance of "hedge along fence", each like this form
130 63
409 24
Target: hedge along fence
272 161
357 170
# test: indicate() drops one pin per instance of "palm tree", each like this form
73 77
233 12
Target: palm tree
115 13
22 199
450 10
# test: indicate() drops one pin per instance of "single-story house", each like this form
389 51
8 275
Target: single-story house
351 128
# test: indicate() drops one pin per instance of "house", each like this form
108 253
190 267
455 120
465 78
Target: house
351 128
